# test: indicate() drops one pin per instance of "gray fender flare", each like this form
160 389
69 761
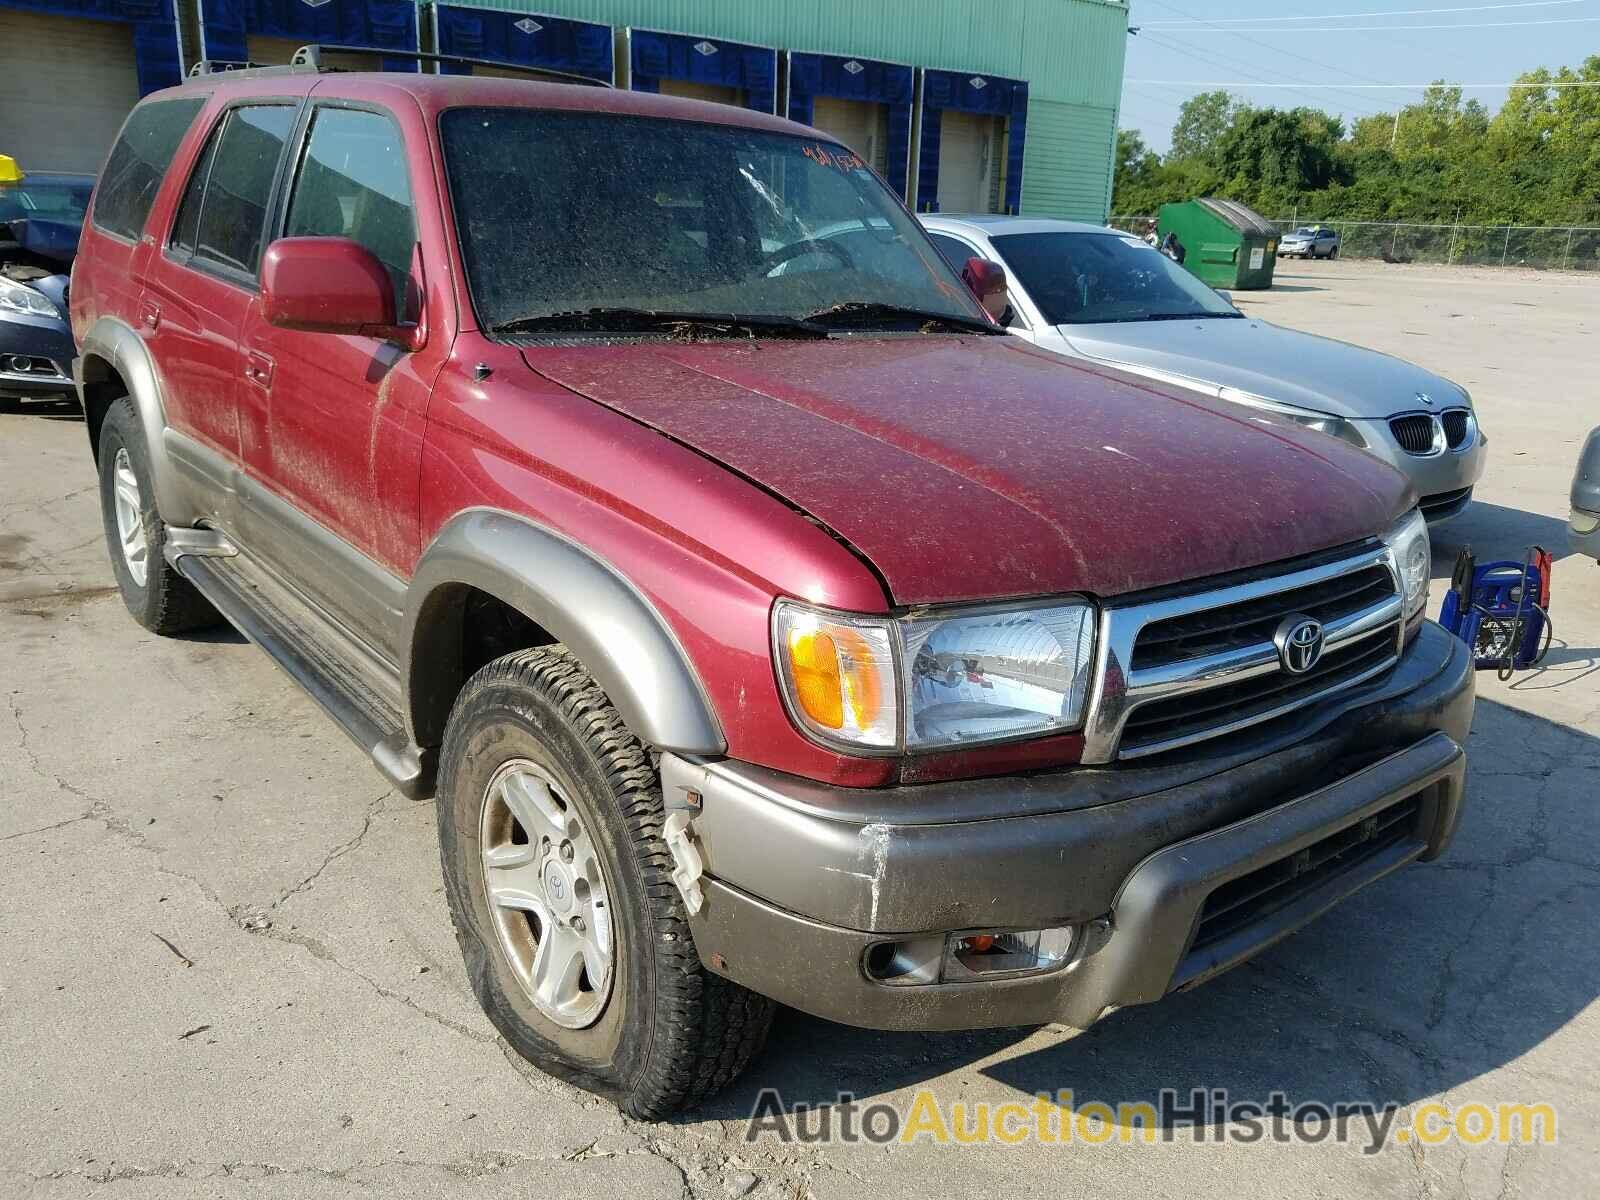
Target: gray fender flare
577 598
114 345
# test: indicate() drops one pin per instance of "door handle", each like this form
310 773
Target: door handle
258 370
150 314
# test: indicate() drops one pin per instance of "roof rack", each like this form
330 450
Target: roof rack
309 58
223 66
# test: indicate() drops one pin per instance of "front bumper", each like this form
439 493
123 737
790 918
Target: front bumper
36 338
803 879
1583 533
1444 481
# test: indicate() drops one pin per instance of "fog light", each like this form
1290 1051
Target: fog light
973 956
1583 522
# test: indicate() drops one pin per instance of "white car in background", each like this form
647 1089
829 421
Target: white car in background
1094 293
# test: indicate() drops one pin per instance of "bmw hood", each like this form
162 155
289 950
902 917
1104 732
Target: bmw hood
1268 361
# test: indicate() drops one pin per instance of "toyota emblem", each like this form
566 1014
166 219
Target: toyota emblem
1299 643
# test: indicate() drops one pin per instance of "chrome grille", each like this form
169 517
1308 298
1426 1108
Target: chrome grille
1457 424
1251 622
1417 433
1180 669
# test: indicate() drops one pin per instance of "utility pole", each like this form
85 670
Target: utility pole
1395 133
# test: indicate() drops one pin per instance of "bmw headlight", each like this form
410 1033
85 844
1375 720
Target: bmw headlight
931 681
1309 418
1413 559
20 298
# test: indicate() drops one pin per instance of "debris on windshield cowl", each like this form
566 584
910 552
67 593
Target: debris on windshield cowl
677 326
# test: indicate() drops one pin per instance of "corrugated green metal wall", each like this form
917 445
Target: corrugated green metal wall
1070 52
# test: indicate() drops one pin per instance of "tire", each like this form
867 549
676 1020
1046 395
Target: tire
163 601
1334 253
662 1033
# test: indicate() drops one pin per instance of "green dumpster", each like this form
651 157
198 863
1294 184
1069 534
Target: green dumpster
1225 244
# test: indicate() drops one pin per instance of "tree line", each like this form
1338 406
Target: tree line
1444 160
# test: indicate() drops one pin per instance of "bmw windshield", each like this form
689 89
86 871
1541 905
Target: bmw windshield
1093 278
591 221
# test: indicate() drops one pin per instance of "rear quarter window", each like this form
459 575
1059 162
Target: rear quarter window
138 161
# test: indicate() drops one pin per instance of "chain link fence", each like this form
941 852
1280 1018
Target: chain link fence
1544 247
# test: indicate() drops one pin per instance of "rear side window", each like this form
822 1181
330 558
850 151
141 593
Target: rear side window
224 209
138 161
954 249
353 184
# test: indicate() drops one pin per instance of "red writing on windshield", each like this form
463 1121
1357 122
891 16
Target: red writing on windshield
841 160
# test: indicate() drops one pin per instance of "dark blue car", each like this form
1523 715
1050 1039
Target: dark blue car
41 216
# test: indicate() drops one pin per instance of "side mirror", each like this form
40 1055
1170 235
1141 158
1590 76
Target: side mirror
987 281
328 285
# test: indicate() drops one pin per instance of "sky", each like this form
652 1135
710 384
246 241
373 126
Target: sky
1248 41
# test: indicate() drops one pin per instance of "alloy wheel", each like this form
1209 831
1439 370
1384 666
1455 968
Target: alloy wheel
547 894
130 517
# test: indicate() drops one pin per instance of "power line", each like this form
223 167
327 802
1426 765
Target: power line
1363 110
1298 89
1406 87
1277 50
1397 12
1299 29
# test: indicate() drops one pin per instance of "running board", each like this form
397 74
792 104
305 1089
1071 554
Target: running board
358 692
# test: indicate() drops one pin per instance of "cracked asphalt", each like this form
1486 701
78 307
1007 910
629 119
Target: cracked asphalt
226 968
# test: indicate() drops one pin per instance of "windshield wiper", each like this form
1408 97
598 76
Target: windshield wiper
1199 316
868 314
689 325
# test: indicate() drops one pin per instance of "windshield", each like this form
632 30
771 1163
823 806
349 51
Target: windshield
1087 278
562 212
1304 233
56 199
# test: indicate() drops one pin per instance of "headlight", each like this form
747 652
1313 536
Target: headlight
19 297
926 682
1309 418
1413 558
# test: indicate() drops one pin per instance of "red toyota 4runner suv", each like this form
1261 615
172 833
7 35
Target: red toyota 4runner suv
634 476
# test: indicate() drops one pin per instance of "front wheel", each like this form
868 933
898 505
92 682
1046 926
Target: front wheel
576 941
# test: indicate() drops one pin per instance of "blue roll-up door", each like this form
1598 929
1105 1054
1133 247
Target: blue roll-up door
227 27
710 67
888 87
1005 101
529 39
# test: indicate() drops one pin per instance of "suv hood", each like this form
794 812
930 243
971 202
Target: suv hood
975 467
1268 361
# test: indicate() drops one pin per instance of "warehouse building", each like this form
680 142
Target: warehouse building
962 105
